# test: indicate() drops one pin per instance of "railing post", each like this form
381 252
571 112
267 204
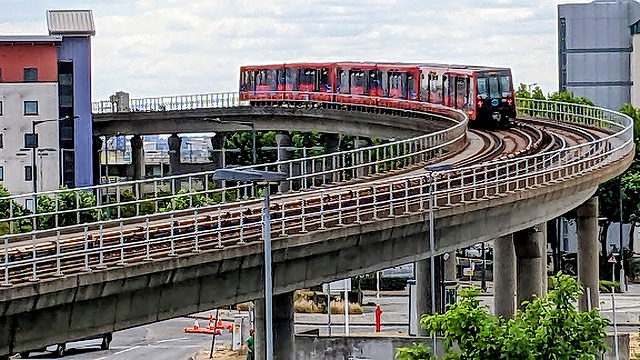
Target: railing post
241 216
172 251
34 274
121 262
101 237
147 239
5 281
322 211
86 249
374 203
283 230
302 216
195 231
58 270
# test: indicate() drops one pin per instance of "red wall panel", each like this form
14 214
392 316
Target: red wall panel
14 58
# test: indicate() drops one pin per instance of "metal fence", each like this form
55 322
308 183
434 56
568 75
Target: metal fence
176 102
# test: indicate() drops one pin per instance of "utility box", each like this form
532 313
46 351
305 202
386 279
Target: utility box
240 330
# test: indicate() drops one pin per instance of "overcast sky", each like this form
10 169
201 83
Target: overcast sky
171 47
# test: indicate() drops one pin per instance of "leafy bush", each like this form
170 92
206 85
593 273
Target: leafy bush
548 327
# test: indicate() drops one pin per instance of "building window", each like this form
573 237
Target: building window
1 141
0 107
635 28
1 173
31 108
28 173
0 75
30 74
28 203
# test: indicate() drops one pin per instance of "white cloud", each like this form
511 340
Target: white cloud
154 47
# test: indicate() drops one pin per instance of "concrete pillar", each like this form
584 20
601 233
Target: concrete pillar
422 270
588 260
137 157
97 166
284 140
362 157
531 251
332 144
175 143
283 332
218 143
504 276
259 330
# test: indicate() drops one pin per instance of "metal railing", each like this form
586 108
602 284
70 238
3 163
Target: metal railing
59 208
176 102
217 226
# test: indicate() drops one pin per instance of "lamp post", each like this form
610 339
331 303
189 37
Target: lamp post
31 141
265 178
431 169
251 124
529 86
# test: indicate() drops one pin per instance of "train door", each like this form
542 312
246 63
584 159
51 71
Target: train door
462 96
375 83
247 84
266 83
435 88
324 85
448 90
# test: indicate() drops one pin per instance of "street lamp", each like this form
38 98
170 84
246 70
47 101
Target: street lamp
265 178
31 141
431 169
529 86
245 123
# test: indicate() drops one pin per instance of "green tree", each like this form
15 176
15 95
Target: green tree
548 327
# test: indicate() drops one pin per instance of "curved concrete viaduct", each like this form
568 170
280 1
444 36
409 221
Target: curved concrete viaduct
144 292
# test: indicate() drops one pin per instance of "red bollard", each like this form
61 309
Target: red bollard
378 312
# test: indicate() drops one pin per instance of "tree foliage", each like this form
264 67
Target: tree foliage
548 327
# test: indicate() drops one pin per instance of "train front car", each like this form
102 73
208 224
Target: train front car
495 103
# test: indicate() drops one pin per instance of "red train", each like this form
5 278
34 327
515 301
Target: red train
486 94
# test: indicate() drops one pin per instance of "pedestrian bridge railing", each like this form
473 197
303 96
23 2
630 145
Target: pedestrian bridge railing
214 227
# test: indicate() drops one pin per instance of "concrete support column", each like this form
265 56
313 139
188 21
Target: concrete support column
218 144
449 270
362 157
332 144
504 276
531 251
259 335
284 140
423 294
137 157
175 143
283 332
97 166
588 260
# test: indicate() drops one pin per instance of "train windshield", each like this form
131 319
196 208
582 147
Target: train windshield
505 86
494 90
483 89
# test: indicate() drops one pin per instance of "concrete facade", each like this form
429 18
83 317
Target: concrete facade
635 72
595 50
14 123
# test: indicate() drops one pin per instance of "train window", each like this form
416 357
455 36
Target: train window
246 83
494 90
343 86
424 88
397 85
374 80
505 86
266 80
325 83
357 82
307 80
483 91
462 93
435 89
411 91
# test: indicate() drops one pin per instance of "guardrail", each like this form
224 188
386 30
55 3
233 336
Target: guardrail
167 103
239 222
59 208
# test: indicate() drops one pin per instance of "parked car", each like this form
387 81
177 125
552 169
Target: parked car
59 350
